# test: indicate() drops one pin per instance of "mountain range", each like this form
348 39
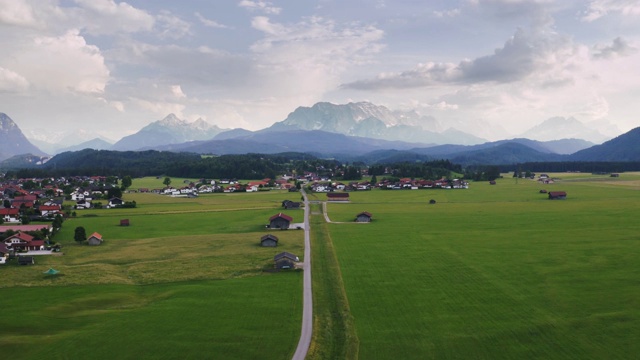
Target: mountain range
355 131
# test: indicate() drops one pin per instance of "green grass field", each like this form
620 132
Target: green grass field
494 271
490 272
186 280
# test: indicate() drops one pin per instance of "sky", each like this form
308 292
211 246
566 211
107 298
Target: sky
496 67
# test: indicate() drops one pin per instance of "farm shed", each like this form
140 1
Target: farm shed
285 260
95 239
26 260
292 205
332 196
280 221
557 195
363 217
124 222
269 240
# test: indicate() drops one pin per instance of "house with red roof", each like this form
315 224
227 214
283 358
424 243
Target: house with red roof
10 215
95 239
280 221
23 242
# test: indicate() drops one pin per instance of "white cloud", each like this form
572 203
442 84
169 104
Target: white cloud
309 57
11 81
177 91
109 17
71 64
522 56
118 105
619 47
172 26
263 24
597 9
259 5
16 12
447 13
210 23
160 108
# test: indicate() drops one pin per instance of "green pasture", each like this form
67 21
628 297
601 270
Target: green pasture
249 318
494 271
187 279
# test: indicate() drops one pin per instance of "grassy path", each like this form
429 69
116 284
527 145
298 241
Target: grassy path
334 332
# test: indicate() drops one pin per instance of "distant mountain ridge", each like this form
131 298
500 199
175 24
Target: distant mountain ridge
12 140
560 127
95 144
170 130
365 119
625 147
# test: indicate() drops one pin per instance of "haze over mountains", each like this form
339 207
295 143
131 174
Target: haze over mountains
346 131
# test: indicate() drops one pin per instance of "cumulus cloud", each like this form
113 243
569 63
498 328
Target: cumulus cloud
619 47
71 64
597 9
11 81
259 5
522 56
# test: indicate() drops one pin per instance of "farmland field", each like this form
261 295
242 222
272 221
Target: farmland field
494 271
185 280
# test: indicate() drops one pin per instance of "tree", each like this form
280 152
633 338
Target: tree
114 192
126 182
25 220
6 203
80 234
374 179
57 223
167 181
493 172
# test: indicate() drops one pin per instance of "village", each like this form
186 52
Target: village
33 209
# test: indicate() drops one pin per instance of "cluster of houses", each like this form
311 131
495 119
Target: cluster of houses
191 189
19 241
401 184
22 205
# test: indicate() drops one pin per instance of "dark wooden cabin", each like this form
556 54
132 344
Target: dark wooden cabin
285 260
557 195
269 240
364 217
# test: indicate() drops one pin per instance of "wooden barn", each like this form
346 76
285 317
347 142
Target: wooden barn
26 260
334 196
124 222
285 260
364 217
280 221
269 240
557 195
95 239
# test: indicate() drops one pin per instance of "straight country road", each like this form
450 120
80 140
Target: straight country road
307 294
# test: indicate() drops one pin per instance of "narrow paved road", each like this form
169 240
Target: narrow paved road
307 306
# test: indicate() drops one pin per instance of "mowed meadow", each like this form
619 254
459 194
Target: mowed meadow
494 271
187 279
